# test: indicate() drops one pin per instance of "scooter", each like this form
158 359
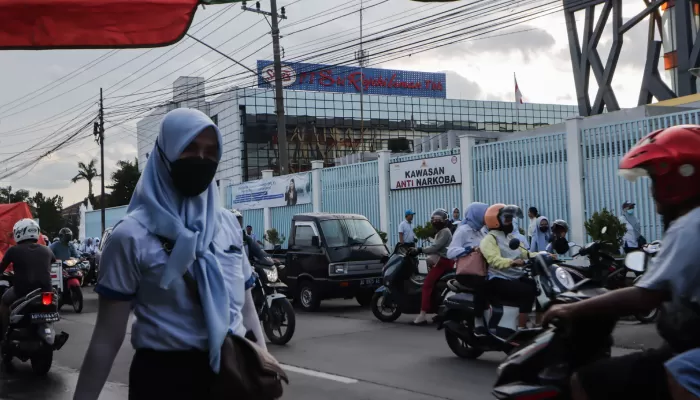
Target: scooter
457 316
72 277
638 262
31 335
275 311
402 287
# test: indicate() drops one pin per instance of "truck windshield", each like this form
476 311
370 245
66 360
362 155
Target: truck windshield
349 232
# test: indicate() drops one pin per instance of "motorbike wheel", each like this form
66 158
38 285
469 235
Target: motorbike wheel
282 311
460 347
380 310
41 363
648 317
77 298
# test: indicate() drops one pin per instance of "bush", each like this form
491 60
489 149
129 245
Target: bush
382 235
273 237
614 233
424 232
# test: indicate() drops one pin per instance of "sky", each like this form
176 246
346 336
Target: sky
47 95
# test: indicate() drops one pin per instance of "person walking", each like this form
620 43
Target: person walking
541 237
406 235
532 215
633 239
174 236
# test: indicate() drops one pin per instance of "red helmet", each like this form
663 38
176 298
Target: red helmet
671 158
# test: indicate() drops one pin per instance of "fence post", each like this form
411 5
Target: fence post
383 165
574 170
224 185
466 144
316 167
267 215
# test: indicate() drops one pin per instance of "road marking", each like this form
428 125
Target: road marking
318 374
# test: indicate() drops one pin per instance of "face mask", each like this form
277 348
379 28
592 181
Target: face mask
507 228
544 228
438 225
630 212
192 175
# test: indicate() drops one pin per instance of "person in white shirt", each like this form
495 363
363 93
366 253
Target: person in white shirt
532 214
406 235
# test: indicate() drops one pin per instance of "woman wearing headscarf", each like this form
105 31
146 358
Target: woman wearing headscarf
454 221
633 235
518 235
542 235
466 240
174 229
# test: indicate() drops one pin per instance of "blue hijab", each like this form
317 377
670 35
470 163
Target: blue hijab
190 222
540 239
474 215
520 236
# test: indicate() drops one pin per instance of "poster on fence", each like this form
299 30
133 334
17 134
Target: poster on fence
437 171
288 190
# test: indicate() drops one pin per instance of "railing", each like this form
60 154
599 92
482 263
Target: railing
352 189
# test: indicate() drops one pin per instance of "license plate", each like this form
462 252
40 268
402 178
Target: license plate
45 317
72 270
370 282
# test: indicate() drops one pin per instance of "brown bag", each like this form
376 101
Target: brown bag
247 371
472 264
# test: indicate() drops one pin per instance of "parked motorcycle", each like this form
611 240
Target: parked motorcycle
402 287
275 311
457 316
72 279
87 265
31 334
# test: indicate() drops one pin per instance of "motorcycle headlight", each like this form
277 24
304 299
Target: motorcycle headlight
564 278
70 263
272 275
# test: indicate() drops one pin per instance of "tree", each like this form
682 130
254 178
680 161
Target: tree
7 196
273 237
86 173
124 181
48 210
424 232
614 230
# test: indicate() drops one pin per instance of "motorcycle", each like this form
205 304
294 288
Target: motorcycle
638 262
402 287
87 265
31 334
542 368
274 309
457 316
72 273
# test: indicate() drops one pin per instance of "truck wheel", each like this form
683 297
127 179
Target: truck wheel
41 363
364 298
384 312
308 297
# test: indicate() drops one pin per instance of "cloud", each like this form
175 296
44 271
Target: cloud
459 87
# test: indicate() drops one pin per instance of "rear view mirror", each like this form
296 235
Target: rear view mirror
514 244
315 241
635 261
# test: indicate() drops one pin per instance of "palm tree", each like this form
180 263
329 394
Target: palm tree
88 173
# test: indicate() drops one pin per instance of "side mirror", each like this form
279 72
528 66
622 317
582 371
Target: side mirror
315 241
605 229
514 243
635 261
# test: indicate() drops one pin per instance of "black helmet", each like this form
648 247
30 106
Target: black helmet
516 211
560 223
66 235
440 214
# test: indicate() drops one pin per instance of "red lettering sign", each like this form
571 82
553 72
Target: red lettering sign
357 80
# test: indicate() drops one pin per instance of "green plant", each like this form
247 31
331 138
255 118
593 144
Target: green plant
273 237
522 231
382 235
424 232
614 229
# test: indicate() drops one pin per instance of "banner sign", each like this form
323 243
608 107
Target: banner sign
349 79
437 171
279 191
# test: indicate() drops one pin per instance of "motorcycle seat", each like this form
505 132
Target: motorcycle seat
457 287
23 299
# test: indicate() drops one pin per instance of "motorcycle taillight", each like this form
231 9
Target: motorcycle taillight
47 298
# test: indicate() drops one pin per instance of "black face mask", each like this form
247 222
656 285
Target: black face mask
192 175
507 228
438 226
544 228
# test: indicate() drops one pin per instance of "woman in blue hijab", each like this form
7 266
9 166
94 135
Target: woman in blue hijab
541 236
174 226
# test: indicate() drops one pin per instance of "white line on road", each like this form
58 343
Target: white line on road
318 374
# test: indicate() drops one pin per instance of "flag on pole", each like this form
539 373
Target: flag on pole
518 94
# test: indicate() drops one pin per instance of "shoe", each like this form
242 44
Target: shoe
419 323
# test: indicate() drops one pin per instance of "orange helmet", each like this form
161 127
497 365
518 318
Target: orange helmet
671 158
495 214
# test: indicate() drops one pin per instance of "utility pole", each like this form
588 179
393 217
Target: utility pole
99 132
361 57
279 97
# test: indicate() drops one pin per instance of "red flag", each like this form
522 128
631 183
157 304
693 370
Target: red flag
518 94
90 24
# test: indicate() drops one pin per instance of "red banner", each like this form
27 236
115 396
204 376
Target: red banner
9 215
86 24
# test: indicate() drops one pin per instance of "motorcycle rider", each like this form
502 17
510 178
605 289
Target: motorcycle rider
31 264
88 246
560 244
440 220
671 158
506 279
64 249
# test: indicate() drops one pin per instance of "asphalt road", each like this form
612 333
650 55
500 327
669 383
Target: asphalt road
341 352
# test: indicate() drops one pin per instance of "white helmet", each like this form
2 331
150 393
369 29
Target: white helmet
26 229
236 213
